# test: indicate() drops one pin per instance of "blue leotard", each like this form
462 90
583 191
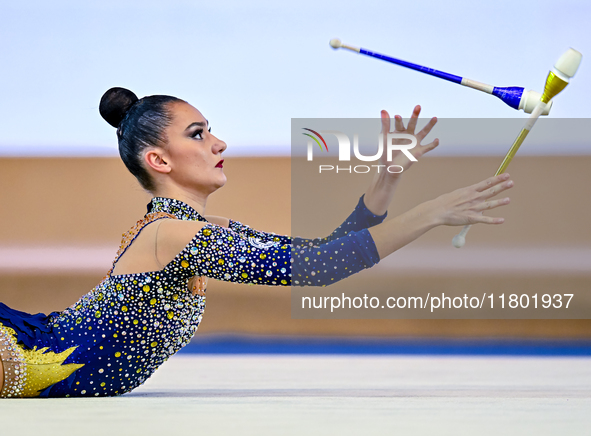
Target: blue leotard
116 336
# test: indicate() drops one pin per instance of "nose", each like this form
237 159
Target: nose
219 146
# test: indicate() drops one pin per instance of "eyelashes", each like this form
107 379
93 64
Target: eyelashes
198 134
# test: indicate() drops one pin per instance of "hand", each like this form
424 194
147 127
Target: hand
398 157
460 207
465 206
381 191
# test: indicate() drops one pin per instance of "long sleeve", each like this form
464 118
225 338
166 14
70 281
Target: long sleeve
361 218
243 255
327 263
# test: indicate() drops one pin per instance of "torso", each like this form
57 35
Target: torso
118 334
126 328
140 314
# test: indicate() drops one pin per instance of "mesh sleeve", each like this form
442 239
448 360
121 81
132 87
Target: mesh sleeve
223 254
361 218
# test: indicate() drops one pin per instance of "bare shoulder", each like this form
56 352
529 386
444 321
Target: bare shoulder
179 230
218 220
166 238
174 235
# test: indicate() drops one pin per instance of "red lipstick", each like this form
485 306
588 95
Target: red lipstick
220 164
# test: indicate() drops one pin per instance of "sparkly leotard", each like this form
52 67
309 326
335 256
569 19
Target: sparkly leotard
116 336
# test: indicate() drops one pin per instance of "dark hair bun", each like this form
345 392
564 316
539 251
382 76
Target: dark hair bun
115 103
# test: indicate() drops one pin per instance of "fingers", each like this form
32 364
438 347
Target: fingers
385 123
430 146
498 188
421 150
421 135
412 124
398 124
483 219
414 118
472 201
491 181
495 186
488 205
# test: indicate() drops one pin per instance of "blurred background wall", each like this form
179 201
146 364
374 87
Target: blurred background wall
62 220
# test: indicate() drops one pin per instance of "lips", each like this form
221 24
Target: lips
220 164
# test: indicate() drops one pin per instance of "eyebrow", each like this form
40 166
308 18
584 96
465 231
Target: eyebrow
198 124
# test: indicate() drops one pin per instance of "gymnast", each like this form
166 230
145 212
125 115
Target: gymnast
152 300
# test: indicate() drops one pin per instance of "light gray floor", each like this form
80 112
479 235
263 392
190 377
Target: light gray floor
325 395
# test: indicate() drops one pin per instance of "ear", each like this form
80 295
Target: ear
156 159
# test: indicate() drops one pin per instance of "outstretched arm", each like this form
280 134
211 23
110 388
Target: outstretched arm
361 218
220 253
224 254
457 208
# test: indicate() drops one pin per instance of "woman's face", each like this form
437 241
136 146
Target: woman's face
193 152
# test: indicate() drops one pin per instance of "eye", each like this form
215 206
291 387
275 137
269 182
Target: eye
197 134
209 130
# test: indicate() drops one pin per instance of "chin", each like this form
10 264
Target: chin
220 182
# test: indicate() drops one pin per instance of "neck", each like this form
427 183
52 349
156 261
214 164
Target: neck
196 200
